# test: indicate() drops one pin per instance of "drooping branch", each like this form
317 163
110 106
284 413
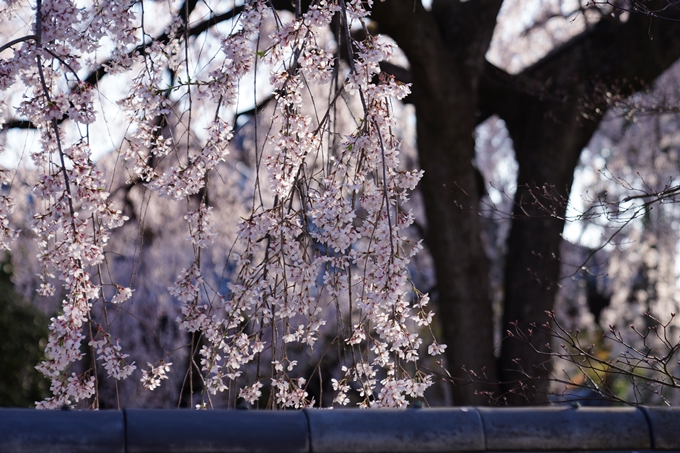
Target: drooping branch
94 77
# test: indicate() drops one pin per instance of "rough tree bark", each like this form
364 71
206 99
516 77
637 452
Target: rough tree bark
446 50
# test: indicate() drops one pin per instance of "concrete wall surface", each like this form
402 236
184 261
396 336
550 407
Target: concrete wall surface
459 429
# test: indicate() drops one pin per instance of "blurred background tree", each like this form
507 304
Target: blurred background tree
551 97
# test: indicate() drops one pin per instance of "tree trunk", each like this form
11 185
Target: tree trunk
547 157
549 129
453 237
447 56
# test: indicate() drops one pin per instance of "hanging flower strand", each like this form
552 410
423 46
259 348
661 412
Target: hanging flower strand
318 241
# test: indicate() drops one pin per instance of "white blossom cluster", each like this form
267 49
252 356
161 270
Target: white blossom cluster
109 352
157 373
326 242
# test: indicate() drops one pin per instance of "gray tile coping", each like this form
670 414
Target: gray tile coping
566 428
27 430
431 430
554 429
665 427
219 431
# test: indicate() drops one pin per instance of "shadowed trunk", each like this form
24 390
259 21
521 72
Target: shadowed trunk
551 109
446 50
549 129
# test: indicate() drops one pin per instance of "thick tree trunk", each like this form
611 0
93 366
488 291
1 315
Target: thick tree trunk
447 56
453 238
547 157
549 129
